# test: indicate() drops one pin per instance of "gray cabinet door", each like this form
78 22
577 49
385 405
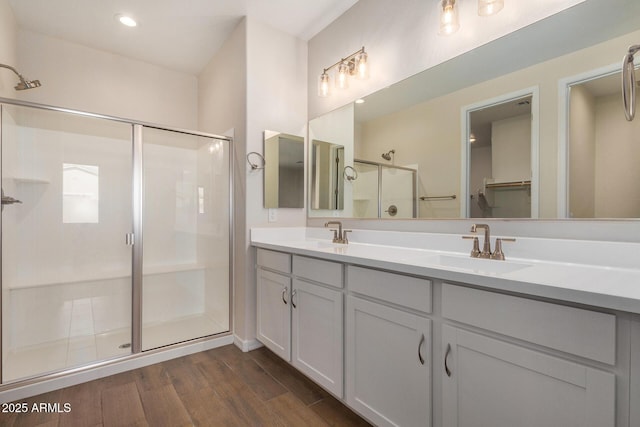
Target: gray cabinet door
388 372
317 334
491 383
274 314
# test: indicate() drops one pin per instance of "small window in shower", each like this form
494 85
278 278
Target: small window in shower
80 195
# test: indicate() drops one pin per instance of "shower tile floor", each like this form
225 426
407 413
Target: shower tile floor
79 350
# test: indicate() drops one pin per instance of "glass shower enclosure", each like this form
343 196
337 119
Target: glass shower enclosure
116 238
384 191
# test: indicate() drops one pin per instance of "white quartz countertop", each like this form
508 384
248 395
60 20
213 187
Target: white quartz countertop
600 274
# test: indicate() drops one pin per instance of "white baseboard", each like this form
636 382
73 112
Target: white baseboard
110 368
246 345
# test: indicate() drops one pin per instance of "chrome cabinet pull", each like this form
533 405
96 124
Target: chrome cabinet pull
446 355
420 358
284 291
293 294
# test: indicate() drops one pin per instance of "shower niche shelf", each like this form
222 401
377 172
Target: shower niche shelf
29 180
110 275
172 268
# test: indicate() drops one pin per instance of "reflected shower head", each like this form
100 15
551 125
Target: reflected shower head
27 84
23 83
387 155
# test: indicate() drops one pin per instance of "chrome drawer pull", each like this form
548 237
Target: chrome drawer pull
292 295
420 358
284 291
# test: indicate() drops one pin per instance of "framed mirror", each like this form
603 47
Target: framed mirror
283 170
424 118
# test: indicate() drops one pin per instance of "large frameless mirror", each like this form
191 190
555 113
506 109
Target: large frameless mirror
422 118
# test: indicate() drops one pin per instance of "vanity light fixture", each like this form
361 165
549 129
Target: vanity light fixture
354 65
489 7
449 13
448 18
472 138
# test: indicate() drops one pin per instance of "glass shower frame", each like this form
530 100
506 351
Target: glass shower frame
380 184
135 238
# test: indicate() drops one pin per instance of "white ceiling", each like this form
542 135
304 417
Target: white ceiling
178 34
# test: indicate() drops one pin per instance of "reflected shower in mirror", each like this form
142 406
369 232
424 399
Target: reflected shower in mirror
327 175
603 150
384 191
499 147
283 170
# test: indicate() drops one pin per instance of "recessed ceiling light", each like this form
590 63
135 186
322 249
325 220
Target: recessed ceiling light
126 20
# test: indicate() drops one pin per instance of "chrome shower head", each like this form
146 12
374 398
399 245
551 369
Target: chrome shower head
387 155
27 84
23 83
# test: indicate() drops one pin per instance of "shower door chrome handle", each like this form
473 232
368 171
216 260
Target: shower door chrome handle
7 200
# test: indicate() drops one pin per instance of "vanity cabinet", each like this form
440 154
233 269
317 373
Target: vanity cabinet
273 302
500 359
488 381
388 348
300 315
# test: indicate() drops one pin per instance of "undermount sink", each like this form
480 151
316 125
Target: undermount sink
477 265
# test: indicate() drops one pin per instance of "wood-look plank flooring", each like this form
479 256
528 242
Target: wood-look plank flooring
219 387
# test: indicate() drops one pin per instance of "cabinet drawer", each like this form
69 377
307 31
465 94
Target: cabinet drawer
276 261
577 331
317 270
398 289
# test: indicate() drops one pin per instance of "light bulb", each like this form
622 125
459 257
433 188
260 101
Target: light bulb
126 20
323 85
342 78
362 66
489 7
448 18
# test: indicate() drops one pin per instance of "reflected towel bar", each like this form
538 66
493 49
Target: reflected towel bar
509 184
452 197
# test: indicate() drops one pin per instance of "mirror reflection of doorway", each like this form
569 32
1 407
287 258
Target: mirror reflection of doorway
499 144
601 149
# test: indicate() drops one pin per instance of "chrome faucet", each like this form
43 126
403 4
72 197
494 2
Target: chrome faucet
486 246
339 235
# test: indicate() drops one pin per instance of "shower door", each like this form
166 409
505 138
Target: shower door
66 265
185 237
397 192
